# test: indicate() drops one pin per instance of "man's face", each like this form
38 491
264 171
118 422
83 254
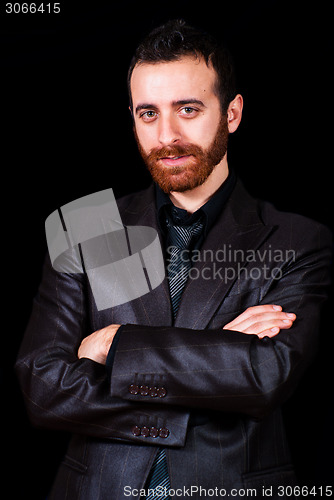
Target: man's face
179 127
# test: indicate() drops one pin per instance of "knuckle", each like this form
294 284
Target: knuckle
258 318
255 327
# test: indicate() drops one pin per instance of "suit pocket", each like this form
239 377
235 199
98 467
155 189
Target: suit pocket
272 482
69 480
74 464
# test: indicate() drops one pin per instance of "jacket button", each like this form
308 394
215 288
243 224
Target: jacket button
154 432
161 392
133 389
163 432
153 391
136 430
145 431
144 390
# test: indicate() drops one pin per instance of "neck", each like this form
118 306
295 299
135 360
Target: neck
194 199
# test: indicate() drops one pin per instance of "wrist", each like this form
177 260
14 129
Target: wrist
109 335
97 345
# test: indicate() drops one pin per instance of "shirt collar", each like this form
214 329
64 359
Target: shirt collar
210 210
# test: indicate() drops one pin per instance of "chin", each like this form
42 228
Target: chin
180 179
180 186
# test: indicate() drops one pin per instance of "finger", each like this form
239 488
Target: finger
272 332
277 316
251 311
262 326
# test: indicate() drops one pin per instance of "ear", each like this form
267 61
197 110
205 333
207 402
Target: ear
234 113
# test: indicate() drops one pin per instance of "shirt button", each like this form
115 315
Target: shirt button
136 430
145 431
144 390
163 432
133 389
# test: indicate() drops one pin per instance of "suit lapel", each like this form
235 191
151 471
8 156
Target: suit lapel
154 308
238 228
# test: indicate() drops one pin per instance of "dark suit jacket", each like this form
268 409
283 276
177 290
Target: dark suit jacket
230 383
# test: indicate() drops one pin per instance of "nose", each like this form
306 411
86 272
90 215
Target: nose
169 132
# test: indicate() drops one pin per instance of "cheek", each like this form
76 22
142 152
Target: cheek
201 132
146 137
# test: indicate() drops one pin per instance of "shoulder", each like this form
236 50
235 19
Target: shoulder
287 227
294 227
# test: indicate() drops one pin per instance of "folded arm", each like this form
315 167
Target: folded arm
223 370
227 370
266 320
71 394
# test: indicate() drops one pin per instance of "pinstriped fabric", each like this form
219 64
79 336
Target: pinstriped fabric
180 238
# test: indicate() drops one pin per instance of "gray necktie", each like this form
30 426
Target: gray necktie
180 240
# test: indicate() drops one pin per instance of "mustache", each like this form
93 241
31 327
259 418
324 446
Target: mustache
176 150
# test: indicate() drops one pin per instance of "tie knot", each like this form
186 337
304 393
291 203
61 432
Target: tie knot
183 236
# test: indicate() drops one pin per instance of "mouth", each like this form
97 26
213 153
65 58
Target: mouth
174 160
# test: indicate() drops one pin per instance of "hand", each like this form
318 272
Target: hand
96 346
263 321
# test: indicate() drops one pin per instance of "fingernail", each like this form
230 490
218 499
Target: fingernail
286 320
275 329
277 308
290 315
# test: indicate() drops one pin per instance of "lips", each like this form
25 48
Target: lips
172 157
174 160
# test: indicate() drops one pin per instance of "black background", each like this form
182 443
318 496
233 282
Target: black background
66 132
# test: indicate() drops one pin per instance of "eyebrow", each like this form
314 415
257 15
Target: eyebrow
180 102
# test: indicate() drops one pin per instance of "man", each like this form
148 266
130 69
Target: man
178 392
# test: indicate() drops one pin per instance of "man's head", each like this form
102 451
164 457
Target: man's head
182 96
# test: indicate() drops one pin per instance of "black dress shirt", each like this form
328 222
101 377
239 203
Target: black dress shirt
209 211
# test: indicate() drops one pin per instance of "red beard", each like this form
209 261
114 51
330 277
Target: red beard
195 170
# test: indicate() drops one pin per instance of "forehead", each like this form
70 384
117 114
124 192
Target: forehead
174 80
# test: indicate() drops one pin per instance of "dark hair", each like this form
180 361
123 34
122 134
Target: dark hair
176 39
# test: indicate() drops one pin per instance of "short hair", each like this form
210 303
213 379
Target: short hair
176 39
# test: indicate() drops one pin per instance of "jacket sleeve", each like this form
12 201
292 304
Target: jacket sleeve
230 371
64 392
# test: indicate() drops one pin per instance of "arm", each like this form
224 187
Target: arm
263 321
64 392
230 371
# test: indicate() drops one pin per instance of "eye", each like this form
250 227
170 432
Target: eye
149 115
188 111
